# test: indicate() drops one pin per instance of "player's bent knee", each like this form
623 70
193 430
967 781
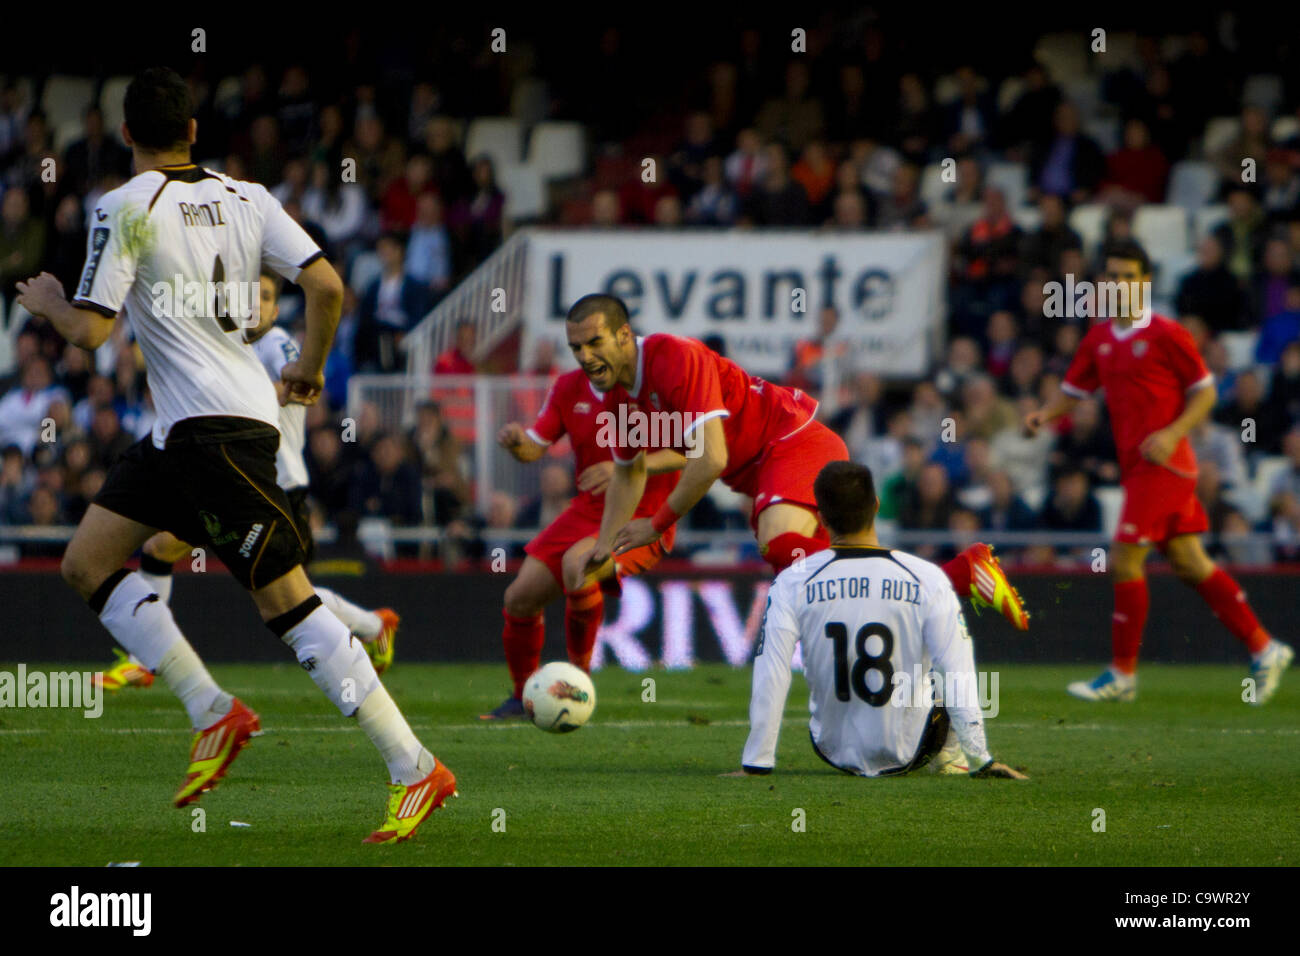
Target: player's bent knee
519 602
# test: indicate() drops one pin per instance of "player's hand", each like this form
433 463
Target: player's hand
1034 421
596 560
1158 446
635 534
302 386
511 436
1000 771
595 478
41 294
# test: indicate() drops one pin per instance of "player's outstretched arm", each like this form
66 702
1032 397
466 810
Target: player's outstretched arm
626 486
43 295
1062 404
323 293
778 635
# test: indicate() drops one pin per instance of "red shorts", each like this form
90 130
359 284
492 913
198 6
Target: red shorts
785 472
1159 505
577 522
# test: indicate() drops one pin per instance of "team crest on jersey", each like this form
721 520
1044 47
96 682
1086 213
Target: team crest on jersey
1104 348
581 408
1139 347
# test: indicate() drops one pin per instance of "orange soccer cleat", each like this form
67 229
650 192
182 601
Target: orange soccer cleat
125 673
215 749
409 805
382 647
989 586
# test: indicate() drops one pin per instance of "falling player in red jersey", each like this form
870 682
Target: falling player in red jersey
556 559
1157 390
761 439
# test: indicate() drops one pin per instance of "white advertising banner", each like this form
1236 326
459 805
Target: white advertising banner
762 292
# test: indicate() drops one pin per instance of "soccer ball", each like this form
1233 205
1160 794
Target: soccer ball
559 697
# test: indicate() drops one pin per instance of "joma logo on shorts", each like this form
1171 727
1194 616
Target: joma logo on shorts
246 548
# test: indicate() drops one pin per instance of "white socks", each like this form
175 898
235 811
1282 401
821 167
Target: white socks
161 584
326 650
143 624
408 761
365 624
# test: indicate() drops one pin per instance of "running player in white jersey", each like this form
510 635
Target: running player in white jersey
377 629
873 623
180 248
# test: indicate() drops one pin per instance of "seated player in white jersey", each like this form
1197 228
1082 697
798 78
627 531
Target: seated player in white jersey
874 623
179 249
376 629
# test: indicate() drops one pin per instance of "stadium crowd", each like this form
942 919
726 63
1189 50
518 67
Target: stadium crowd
845 137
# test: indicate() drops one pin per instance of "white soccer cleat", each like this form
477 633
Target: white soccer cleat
1110 684
1266 670
950 760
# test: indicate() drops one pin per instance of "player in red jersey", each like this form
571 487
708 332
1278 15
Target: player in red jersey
1157 390
556 559
760 439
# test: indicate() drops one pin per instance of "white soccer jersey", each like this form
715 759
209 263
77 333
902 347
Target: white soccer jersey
873 623
275 350
180 249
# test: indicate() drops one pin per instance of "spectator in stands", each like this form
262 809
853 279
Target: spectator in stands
808 364
1269 289
428 253
778 200
397 211
456 360
1284 388
1284 501
1024 457
987 413
328 469
668 212
1027 127
44 510
1251 142
96 154
1002 339
1072 506
849 210
969 120
928 506
1220 446
1242 236
1006 510
686 163
556 490
1281 198
446 488
795 117
1043 247
265 155
1026 370
637 197
66 251
815 172
987 253
27 161
1237 543
897 489
22 241
479 225
746 166
107 438
1280 329
859 421
960 204
917 124
390 307
339 207
379 158
16 483
387 485
1070 164
1210 290
1247 405
883 454
964 361
927 412
714 203
1087 445
1138 171
606 209
903 208
1065 343
24 408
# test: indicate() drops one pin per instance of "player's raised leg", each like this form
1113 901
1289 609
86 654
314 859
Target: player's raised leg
524 633
788 533
1132 600
377 629
977 574
143 624
1269 657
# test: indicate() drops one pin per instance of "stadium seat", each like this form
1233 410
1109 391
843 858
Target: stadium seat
1063 55
1034 496
933 188
110 103
524 190
1089 221
1206 219
1263 90
558 150
500 137
1027 218
1285 128
1267 469
1161 229
366 267
530 101
1240 347
1219 132
1169 271
1104 130
65 98
1012 179
1111 499
1193 183
67 133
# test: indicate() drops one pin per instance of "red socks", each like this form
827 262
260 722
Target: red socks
583 612
1132 600
1228 602
958 571
785 549
523 638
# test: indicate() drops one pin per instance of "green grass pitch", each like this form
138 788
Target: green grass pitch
1187 775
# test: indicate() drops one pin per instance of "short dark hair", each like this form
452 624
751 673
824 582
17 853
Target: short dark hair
612 306
846 497
1129 249
276 280
158 108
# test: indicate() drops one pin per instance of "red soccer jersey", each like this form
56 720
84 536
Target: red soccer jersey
1147 374
686 377
571 408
